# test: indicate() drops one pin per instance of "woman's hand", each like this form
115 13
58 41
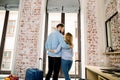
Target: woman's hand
71 46
51 51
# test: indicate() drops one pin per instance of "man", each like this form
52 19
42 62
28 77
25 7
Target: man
54 59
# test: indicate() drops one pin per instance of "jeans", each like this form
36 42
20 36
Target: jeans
66 66
54 64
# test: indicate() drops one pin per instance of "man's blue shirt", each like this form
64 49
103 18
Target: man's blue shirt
53 40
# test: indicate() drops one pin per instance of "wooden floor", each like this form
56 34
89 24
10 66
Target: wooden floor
2 78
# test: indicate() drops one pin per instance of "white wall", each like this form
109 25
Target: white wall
41 33
100 15
83 37
100 11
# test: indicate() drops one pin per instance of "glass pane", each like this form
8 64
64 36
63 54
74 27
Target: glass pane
2 16
11 27
54 19
9 42
71 26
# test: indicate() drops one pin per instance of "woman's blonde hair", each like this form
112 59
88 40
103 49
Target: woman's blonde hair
68 38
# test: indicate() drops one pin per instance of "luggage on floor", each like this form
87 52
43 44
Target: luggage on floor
34 74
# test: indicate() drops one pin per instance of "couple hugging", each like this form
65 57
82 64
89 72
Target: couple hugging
60 53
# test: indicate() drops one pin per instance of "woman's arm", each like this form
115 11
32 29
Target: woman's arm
62 41
56 50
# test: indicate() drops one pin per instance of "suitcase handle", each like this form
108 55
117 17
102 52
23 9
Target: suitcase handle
77 60
40 63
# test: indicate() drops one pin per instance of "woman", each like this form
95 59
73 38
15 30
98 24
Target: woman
67 54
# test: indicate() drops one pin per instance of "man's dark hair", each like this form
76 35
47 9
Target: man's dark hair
61 25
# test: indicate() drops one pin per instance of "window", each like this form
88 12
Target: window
11 27
7 54
54 19
6 61
53 24
8 40
71 26
71 23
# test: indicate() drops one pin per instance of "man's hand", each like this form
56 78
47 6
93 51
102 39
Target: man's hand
51 51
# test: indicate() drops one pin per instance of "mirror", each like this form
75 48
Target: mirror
113 33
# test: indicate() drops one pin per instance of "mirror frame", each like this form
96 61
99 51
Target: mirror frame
107 29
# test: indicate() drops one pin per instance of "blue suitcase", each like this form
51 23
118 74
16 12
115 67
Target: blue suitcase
34 74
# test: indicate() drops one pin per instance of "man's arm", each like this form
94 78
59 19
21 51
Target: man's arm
46 45
56 50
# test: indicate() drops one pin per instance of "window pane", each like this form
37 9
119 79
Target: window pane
71 26
11 27
54 19
2 16
10 40
7 60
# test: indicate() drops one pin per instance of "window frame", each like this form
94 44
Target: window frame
3 38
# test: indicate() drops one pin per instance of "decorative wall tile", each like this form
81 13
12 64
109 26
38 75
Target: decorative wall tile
115 33
111 8
92 33
114 60
28 36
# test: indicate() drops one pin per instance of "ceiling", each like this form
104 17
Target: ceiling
63 5
52 5
9 4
